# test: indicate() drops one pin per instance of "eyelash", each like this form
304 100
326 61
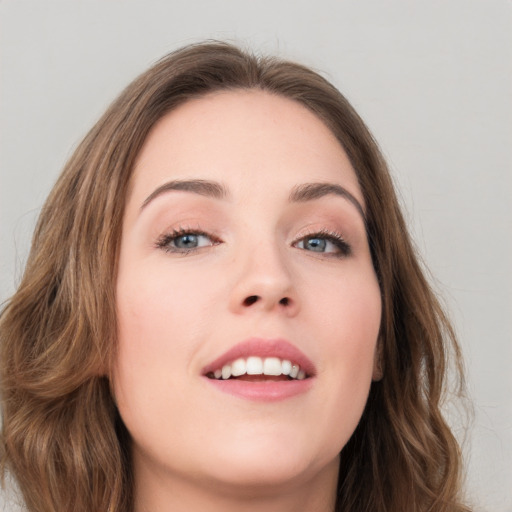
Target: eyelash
331 236
165 241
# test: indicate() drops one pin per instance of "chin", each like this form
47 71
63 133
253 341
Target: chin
268 470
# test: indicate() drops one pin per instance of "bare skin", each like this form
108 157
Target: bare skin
244 228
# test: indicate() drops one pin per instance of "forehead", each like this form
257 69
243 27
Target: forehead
243 139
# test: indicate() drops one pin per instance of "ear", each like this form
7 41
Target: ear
378 361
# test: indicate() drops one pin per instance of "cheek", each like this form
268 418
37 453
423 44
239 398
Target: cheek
164 315
356 329
151 317
146 321
348 321
157 336
347 308
162 306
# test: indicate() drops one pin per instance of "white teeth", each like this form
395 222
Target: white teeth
272 366
254 366
238 367
260 366
226 371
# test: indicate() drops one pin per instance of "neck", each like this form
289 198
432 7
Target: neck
159 492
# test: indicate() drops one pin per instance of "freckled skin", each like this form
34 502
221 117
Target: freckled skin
178 311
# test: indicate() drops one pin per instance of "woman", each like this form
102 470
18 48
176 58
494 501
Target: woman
222 309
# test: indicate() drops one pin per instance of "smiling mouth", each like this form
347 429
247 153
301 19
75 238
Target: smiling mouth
258 369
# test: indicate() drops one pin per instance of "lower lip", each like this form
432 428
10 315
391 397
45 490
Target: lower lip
269 391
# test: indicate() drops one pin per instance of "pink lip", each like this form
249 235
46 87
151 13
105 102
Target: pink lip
266 390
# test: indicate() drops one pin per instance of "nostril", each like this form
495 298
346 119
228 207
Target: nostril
252 299
249 301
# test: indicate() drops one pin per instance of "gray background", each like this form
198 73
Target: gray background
432 79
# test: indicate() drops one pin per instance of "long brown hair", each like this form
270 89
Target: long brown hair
63 439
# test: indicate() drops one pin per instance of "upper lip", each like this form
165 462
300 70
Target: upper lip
260 347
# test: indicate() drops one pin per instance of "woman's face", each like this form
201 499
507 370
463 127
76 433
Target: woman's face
243 250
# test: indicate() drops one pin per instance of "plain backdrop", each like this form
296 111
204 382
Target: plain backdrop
433 80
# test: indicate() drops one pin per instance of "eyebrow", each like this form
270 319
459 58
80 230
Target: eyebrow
205 188
311 191
215 190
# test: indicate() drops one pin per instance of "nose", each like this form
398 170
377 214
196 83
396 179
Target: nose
264 282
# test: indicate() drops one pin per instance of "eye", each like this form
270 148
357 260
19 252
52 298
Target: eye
185 241
324 242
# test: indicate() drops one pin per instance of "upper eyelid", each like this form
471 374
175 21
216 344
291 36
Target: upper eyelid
197 230
333 237
180 231
163 242
321 233
219 235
